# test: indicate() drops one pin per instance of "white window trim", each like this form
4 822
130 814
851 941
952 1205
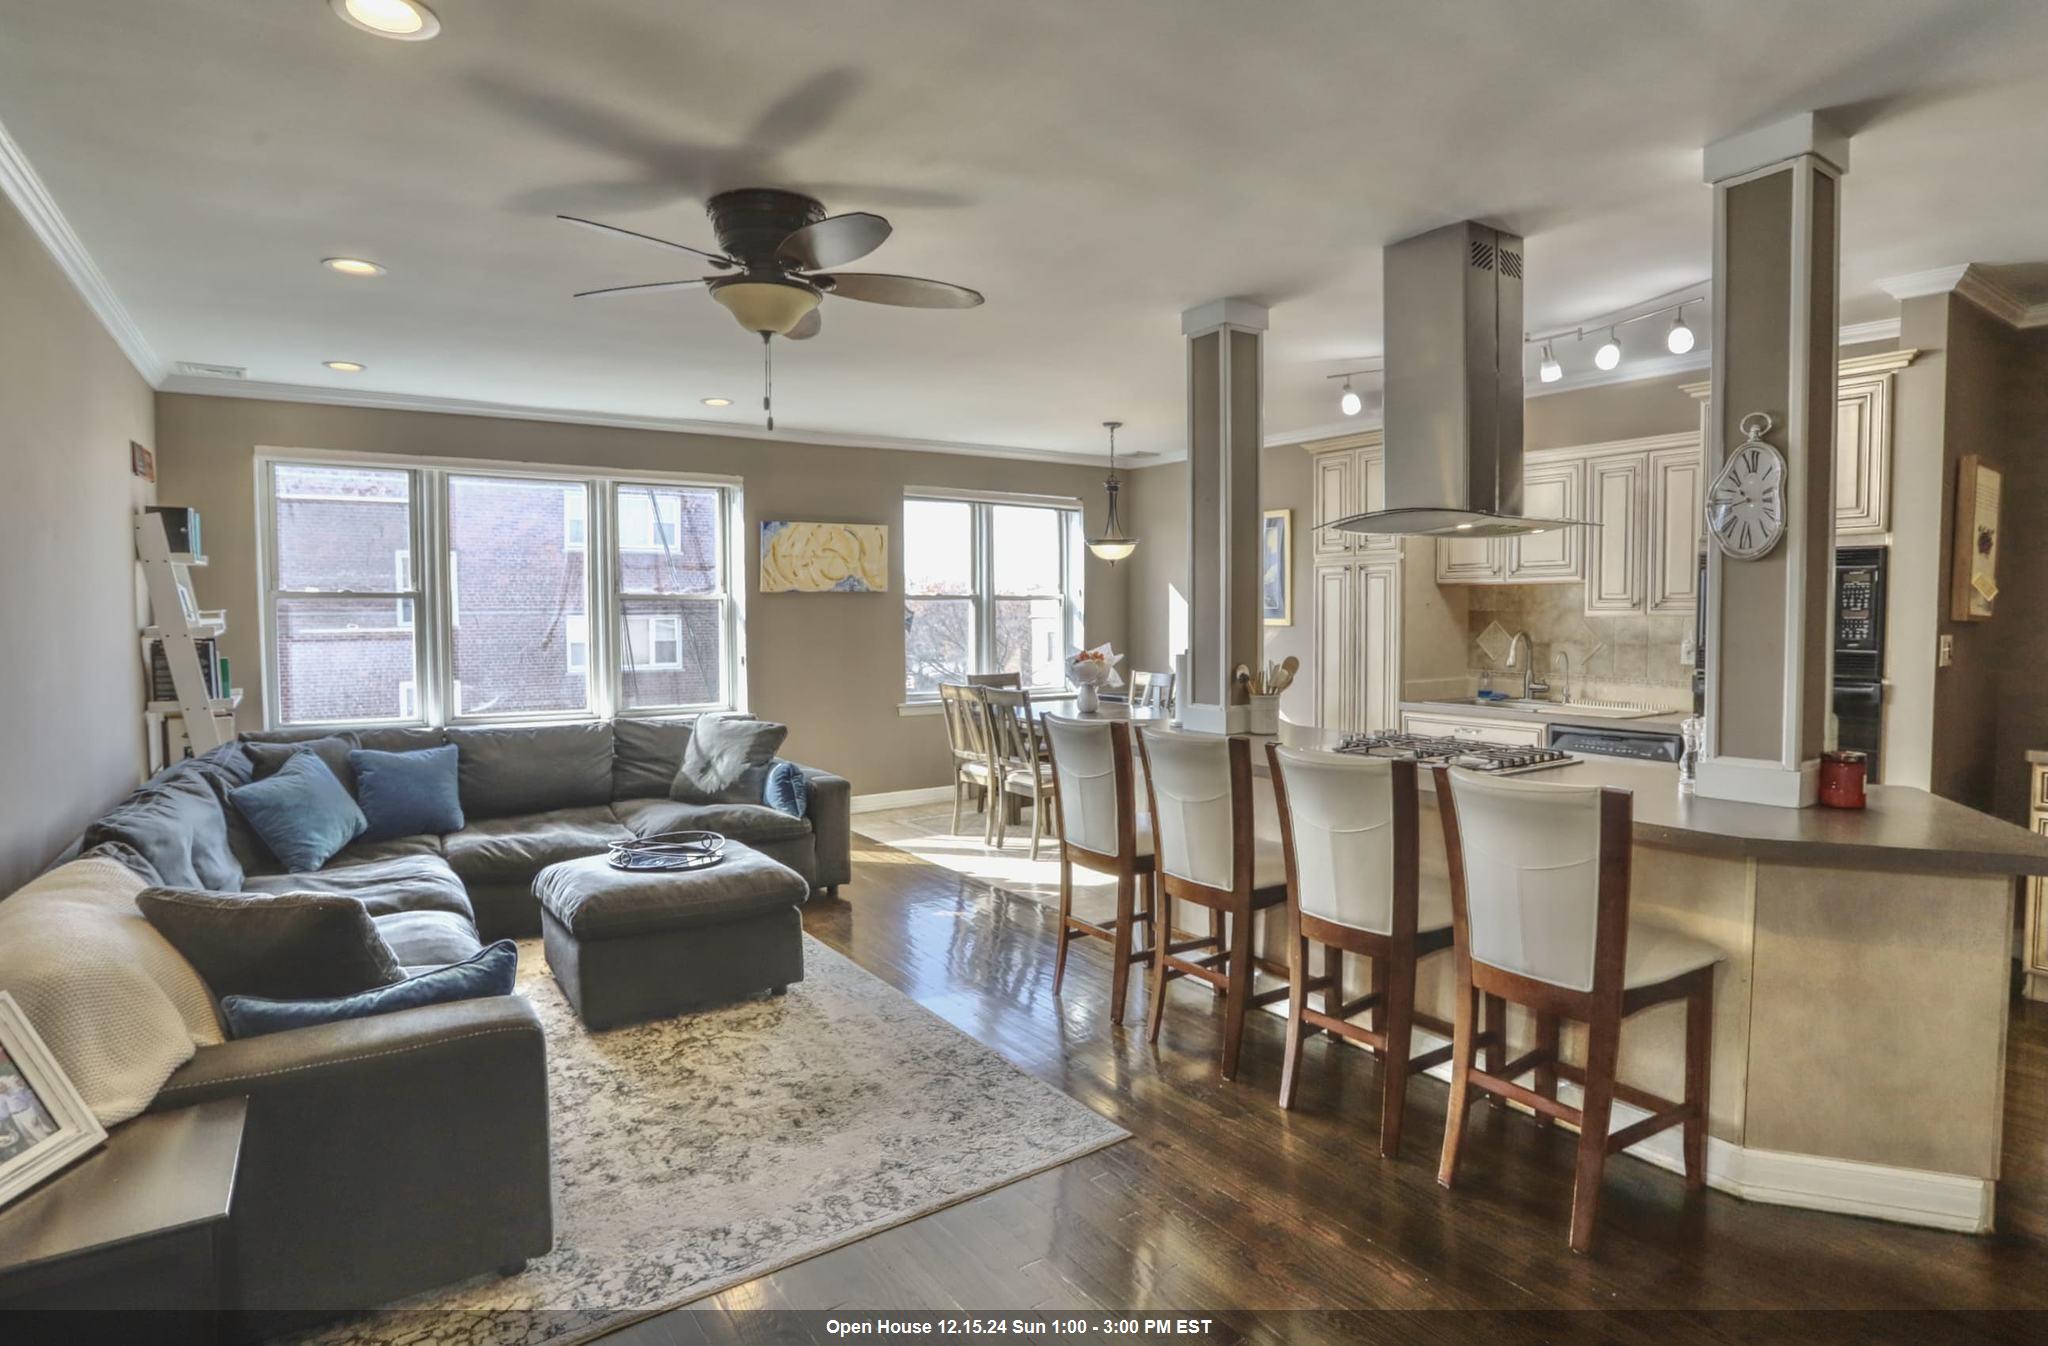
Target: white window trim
983 598
436 689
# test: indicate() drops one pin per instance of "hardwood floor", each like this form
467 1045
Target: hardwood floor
1221 1199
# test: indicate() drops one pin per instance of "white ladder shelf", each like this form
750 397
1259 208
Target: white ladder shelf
178 624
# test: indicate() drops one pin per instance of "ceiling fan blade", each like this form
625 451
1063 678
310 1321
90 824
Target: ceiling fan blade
643 289
806 327
872 287
719 260
834 242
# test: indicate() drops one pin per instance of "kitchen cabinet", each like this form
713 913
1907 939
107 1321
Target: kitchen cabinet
1617 555
1358 644
1350 478
1677 488
2035 954
1471 560
1453 725
1550 490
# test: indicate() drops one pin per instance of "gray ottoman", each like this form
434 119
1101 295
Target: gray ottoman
626 946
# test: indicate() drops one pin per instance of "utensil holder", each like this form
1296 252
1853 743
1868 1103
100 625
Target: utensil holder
1263 715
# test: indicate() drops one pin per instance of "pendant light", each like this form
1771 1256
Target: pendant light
1609 354
1679 339
1550 371
1112 546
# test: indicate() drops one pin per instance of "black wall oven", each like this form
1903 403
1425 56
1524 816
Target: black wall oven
1858 621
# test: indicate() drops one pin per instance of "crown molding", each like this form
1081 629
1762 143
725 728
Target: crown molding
1863 333
371 400
24 187
1973 283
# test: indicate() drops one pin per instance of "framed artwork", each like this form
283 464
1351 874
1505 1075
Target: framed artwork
1276 567
141 461
44 1124
1973 588
824 558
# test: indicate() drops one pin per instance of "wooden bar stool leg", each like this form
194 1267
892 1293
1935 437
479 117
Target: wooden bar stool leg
1461 1082
1162 939
1066 935
1400 1030
1699 1050
1497 1028
1376 1018
1297 1005
1120 946
1333 968
1603 1043
1239 993
1546 1074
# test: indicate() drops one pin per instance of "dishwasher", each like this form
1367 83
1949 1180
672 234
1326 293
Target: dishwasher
1644 745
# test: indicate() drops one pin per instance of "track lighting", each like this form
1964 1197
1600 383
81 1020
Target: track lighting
1609 354
1550 371
1679 339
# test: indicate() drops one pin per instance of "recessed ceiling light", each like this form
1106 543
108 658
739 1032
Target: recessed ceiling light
406 20
352 266
718 401
344 366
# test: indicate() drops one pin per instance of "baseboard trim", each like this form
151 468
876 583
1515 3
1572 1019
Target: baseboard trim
898 799
1951 1201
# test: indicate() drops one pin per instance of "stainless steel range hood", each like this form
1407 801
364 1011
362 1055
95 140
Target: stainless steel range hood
1454 388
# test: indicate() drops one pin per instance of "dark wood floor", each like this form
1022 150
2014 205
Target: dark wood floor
1221 1200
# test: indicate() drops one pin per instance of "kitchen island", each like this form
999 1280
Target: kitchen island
1860 1015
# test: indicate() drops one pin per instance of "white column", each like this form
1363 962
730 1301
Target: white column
1226 426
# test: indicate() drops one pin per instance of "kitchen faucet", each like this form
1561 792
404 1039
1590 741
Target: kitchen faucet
1531 688
1557 653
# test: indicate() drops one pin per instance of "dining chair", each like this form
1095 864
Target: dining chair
1016 764
995 679
1540 892
1101 828
1153 691
1200 792
1349 835
967 739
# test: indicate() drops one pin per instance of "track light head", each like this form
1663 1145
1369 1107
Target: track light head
1679 339
1351 403
1609 354
1550 371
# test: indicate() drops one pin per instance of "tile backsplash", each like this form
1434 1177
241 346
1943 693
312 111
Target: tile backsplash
1641 655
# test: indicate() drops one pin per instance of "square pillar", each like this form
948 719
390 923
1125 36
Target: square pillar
1770 639
1226 429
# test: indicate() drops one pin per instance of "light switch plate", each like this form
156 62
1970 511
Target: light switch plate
1947 655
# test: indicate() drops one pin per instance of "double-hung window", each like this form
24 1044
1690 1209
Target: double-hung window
990 586
442 593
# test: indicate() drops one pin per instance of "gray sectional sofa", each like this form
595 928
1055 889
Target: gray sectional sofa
389 1155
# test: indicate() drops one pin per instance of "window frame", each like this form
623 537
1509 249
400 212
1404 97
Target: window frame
435 609
982 596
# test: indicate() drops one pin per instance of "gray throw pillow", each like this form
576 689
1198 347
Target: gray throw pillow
295 946
728 760
268 758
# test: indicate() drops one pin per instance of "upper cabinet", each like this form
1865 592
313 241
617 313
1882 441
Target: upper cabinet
1617 557
1677 488
1350 478
1551 489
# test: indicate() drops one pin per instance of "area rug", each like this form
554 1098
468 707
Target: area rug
696 1153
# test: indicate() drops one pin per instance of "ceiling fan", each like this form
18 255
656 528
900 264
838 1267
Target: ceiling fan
778 260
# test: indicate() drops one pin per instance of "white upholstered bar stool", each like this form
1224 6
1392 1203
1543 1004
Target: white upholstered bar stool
1348 826
1540 916
1101 828
1200 788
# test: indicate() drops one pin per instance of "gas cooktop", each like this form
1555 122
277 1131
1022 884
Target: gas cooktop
1500 759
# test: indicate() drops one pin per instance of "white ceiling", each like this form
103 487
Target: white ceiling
1094 168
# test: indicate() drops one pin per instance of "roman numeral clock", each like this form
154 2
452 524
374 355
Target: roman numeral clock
1746 502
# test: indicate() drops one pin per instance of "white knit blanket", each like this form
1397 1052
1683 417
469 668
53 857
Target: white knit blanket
117 1006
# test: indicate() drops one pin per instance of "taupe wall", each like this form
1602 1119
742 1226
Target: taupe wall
1916 583
72 682
830 665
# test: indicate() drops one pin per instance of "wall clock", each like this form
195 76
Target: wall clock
1746 501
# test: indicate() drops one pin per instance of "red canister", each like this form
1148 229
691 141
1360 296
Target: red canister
1842 774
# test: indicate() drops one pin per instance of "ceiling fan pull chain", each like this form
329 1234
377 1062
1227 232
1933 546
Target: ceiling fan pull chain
768 379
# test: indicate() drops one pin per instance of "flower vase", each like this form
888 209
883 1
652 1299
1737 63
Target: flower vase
1086 700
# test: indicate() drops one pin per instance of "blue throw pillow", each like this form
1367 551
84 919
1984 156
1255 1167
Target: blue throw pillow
788 789
491 972
301 811
406 793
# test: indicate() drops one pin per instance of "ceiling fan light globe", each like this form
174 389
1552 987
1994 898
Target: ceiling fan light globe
766 305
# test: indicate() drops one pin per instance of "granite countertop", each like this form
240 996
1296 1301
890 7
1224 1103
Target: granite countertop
1660 720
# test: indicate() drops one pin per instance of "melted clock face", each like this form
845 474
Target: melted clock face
1746 503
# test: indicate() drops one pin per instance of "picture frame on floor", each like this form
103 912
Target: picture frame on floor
45 1126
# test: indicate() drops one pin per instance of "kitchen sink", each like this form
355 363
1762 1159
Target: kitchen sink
1556 708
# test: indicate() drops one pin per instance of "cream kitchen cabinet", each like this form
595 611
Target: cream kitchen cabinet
1552 488
1350 477
1358 644
1617 555
1677 485
1471 560
1450 724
